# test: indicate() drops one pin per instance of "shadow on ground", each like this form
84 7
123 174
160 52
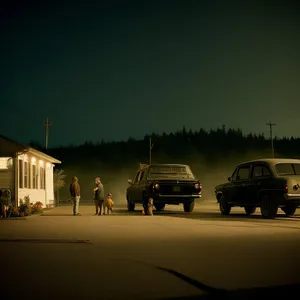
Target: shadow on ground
59 215
262 292
206 215
243 293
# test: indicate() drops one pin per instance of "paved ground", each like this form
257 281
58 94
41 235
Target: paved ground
116 257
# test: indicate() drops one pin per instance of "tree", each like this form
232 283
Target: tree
58 182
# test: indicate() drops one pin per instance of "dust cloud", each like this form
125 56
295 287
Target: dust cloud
114 181
210 173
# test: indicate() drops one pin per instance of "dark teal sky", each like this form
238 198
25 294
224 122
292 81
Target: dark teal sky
126 68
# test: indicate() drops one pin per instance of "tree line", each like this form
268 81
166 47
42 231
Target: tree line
213 145
211 154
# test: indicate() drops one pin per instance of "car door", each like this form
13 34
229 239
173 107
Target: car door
230 187
133 189
260 174
242 183
140 186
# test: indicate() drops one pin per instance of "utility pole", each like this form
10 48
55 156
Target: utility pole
270 124
150 149
47 124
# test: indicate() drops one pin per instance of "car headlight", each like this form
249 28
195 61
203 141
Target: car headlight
156 186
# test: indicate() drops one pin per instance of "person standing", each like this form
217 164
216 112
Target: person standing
99 196
75 195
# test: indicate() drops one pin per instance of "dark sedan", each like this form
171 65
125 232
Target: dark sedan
270 184
165 184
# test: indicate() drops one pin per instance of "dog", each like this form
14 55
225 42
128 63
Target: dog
109 204
148 208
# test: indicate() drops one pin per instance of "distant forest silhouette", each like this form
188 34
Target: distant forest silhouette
211 154
181 146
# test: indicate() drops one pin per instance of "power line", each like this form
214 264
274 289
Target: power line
47 124
270 124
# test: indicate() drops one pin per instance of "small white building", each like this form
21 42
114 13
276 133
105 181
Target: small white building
26 172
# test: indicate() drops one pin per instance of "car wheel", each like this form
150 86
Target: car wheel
189 206
249 210
289 210
159 207
269 207
130 205
225 208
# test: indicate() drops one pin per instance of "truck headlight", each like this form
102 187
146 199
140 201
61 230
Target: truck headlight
156 186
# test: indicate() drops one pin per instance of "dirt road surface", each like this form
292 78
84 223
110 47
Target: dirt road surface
117 257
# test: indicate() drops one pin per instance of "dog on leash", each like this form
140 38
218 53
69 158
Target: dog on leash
148 208
108 204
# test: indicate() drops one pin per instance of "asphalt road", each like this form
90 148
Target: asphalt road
118 256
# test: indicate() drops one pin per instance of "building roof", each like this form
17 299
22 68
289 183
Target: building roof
23 148
44 156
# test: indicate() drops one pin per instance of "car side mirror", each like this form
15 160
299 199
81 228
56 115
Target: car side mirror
130 181
229 178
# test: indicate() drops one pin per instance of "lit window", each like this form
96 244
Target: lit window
34 177
21 173
42 178
26 175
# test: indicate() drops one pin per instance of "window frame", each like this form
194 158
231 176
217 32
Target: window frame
21 173
26 175
246 166
34 176
262 165
42 178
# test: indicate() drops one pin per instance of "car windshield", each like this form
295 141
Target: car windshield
288 169
177 172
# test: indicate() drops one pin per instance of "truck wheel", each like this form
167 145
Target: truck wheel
189 206
130 205
159 207
249 210
289 210
225 208
269 207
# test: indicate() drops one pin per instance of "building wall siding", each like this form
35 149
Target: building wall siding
33 190
7 176
34 195
49 184
6 179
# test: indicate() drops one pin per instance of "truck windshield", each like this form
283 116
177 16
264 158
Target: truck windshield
287 169
171 172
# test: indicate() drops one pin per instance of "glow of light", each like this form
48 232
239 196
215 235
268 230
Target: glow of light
4 163
41 162
33 159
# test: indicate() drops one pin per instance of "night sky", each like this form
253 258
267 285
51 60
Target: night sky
127 68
